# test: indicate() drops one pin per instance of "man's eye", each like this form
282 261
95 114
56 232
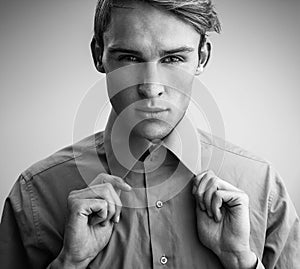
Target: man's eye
128 58
172 60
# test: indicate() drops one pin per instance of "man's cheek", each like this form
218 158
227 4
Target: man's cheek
123 100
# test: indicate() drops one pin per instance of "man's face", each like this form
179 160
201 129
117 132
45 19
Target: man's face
141 33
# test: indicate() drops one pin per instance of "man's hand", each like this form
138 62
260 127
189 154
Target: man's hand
93 211
223 220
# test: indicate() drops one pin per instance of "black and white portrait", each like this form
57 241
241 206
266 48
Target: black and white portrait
149 134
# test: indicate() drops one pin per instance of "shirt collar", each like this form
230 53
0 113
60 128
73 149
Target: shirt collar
183 142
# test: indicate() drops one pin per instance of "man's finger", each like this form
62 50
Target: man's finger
99 215
102 192
88 208
211 187
224 185
111 203
106 187
197 180
117 182
117 203
216 205
233 199
202 188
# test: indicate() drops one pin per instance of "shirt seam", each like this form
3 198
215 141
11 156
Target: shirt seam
235 153
34 211
270 201
27 175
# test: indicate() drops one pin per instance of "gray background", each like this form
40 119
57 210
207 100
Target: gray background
46 68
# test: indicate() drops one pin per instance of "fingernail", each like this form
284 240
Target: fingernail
127 186
194 190
118 219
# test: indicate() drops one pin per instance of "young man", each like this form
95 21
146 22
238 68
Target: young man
65 211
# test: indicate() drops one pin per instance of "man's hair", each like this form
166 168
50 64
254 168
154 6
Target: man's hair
198 13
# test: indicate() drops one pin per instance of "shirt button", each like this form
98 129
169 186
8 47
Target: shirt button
163 260
159 204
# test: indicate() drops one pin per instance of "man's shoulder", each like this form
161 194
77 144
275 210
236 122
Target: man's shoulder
62 157
209 141
239 167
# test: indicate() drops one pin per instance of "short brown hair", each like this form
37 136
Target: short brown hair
198 13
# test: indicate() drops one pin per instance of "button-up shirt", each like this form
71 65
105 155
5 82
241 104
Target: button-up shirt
158 226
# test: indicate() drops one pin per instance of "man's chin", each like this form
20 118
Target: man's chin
153 129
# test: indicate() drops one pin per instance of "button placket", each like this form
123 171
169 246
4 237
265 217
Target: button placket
158 212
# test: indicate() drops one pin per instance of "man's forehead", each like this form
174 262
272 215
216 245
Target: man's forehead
141 26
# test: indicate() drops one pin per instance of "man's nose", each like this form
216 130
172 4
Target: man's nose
150 90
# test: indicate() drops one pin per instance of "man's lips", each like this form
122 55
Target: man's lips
151 109
152 112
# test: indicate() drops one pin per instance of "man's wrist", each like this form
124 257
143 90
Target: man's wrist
241 260
64 262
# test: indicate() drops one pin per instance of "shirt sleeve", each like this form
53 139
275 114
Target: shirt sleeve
12 251
19 233
282 243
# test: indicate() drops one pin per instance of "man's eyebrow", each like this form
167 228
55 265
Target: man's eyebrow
120 6
178 50
114 50
183 49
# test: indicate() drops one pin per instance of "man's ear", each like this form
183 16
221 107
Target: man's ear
97 55
204 55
